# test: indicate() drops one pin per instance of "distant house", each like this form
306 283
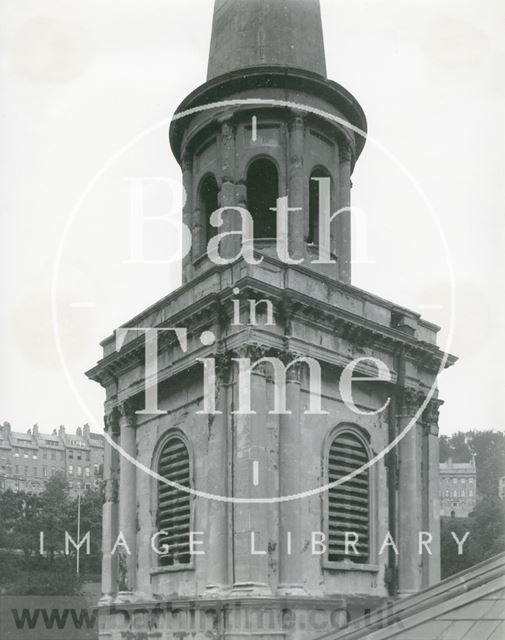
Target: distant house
28 460
458 488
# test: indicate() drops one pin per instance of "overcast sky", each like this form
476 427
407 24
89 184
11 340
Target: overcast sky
80 79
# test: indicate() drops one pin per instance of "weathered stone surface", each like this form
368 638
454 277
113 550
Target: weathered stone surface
248 33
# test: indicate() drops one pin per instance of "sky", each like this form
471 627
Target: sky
87 91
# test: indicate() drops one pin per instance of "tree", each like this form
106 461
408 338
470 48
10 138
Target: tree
20 521
487 529
23 516
56 516
489 450
451 561
91 520
486 524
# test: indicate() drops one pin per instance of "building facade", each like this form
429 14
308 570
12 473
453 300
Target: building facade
458 488
28 460
200 511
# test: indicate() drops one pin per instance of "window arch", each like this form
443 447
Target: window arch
262 193
174 505
348 506
317 188
208 203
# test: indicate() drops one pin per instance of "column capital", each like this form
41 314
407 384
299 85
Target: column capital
254 352
431 415
293 368
111 422
228 126
409 401
227 150
127 417
223 361
296 118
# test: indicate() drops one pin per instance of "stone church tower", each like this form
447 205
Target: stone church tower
253 563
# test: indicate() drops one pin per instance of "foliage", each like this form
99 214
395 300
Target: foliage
486 524
23 571
451 561
489 450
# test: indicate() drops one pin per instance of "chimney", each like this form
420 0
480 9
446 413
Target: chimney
61 431
86 431
35 430
6 430
78 432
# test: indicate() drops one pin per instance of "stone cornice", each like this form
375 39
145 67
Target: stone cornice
213 270
292 306
266 77
360 335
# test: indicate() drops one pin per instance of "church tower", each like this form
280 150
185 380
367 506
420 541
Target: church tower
274 376
267 68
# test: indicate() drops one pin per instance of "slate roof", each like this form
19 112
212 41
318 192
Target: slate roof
467 606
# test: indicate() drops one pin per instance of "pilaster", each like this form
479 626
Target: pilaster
290 520
228 197
187 213
110 507
127 499
409 495
217 481
251 552
342 224
431 493
296 185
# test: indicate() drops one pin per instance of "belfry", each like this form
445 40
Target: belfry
236 518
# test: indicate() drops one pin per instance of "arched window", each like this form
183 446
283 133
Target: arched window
174 505
319 193
208 204
262 194
348 503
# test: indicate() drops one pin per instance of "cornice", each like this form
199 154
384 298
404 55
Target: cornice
267 77
361 332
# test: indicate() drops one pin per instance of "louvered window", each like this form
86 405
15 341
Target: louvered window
348 503
174 505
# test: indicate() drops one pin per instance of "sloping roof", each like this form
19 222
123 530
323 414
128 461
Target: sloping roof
467 606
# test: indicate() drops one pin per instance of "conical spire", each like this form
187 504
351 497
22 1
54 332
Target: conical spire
251 33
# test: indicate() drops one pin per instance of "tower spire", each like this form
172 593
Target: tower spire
279 33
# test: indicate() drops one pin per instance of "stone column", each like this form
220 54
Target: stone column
231 221
409 496
290 461
297 186
251 520
431 520
110 508
187 213
217 481
127 499
342 226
